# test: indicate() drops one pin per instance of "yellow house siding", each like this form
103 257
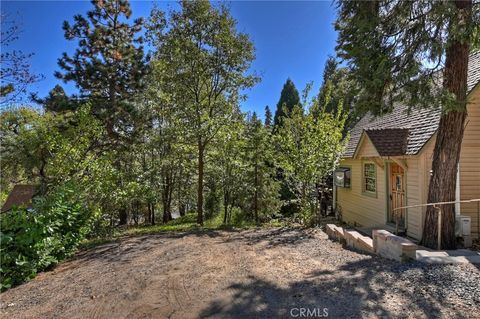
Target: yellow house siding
356 206
365 210
470 161
366 148
414 178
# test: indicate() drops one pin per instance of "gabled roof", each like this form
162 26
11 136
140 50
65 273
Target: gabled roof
418 126
21 195
389 141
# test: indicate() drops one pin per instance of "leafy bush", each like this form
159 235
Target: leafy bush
33 240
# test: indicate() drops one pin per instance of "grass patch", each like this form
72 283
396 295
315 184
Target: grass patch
184 223
181 224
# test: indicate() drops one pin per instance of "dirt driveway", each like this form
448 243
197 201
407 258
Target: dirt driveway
264 273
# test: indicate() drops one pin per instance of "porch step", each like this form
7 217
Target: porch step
368 231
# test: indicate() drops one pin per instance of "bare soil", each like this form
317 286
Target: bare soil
262 273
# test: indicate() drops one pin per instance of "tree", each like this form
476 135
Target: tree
57 100
229 166
289 97
259 153
416 53
268 117
338 85
309 147
15 73
49 149
205 61
109 64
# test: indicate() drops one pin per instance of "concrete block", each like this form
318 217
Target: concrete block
356 240
330 230
366 244
393 247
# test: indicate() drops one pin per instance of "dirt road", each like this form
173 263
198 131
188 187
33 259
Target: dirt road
264 273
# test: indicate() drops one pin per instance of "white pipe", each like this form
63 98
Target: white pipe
457 192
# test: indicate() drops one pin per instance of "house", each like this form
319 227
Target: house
388 161
20 196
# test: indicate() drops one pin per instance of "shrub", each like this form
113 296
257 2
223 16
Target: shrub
33 240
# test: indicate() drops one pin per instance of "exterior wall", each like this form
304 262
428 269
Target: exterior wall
357 206
414 184
470 162
366 210
366 148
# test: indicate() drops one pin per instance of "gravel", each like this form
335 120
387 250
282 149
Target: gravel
259 273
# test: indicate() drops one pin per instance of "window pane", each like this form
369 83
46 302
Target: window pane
369 177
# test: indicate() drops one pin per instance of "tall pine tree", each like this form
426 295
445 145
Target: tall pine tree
289 97
109 64
268 117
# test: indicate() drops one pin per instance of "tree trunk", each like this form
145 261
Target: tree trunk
153 214
225 206
149 216
448 144
123 216
201 155
167 197
255 200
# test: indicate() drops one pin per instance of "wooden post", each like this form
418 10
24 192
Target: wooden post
439 228
396 221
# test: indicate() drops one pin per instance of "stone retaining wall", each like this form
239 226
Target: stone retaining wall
383 243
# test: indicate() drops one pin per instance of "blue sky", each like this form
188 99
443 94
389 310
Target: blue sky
292 39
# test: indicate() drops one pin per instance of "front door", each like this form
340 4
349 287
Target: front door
397 195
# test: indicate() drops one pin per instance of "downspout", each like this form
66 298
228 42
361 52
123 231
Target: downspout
457 192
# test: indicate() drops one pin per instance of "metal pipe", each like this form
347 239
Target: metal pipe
478 220
440 203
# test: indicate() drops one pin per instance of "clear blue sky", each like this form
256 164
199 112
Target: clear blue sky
292 39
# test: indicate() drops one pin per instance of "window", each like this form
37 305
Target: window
342 177
369 178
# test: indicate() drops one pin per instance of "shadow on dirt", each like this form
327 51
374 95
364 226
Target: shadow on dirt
274 237
361 291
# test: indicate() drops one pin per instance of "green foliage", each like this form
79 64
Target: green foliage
201 37
397 48
263 189
48 148
308 148
57 100
268 117
109 64
32 241
339 88
289 98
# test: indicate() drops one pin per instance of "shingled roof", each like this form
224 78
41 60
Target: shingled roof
418 126
389 141
21 195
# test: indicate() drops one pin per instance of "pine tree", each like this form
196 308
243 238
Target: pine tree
109 64
57 100
289 97
268 117
264 190
415 52
339 86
